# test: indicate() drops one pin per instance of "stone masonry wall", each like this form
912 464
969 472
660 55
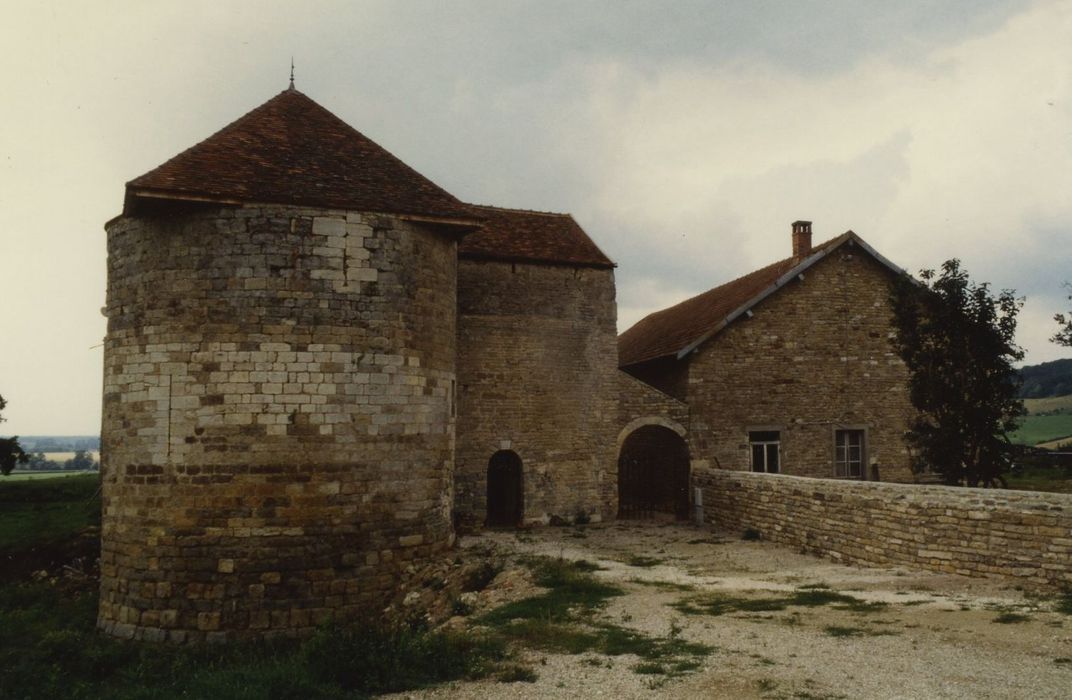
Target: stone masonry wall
1021 536
278 429
637 402
537 359
815 357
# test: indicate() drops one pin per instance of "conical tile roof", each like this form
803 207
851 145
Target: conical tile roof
290 150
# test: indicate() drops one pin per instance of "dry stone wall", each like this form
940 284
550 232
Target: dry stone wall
278 417
1020 536
814 357
537 359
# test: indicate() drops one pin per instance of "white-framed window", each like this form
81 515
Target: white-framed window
849 454
765 448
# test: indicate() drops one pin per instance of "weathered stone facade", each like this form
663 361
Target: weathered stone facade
303 397
1015 535
278 420
536 376
791 358
281 380
813 358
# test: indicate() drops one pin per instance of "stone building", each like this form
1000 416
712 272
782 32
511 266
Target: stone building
286 339
320 365
537 342
788 369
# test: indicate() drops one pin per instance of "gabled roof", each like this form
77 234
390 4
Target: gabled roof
531 236
290 150
679 329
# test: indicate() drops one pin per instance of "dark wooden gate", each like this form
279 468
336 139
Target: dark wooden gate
653 474
506 490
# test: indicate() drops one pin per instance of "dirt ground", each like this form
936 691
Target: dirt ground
910 635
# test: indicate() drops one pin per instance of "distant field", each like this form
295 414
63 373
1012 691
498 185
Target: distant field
1045 430
34 512
1036 429
62 457
1054 404
32 476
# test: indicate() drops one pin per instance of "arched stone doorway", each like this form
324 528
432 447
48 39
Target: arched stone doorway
506 490
653 474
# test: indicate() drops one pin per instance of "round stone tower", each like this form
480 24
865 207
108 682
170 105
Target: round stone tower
279 381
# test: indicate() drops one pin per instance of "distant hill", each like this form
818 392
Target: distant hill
1048 379
59 443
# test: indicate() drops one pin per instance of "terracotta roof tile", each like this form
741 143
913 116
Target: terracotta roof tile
290 150
531 236
673 329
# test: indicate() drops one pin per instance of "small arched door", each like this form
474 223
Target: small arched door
653 474
506 490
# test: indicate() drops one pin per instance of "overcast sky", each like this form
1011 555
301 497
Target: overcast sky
684 137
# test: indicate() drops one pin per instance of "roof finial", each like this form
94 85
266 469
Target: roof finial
291 72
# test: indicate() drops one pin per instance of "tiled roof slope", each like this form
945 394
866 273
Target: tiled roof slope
531 236
290 150
674 329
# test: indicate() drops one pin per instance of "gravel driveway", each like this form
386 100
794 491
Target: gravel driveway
780 624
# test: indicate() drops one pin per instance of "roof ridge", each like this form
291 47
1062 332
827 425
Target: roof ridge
523 211
677 328
776 263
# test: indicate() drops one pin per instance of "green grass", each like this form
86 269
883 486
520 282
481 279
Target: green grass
573 591
50 649
39 512
564 620
1036 429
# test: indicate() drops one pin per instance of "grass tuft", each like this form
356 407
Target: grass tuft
805 597
517 674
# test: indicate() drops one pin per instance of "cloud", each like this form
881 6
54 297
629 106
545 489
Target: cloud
961 152
684 137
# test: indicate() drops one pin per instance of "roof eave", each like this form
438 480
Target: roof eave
462 224
520 259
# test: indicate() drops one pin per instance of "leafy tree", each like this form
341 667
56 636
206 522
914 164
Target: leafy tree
10 451
1064 323
82 461
958 341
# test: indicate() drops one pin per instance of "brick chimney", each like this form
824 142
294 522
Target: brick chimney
801 239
